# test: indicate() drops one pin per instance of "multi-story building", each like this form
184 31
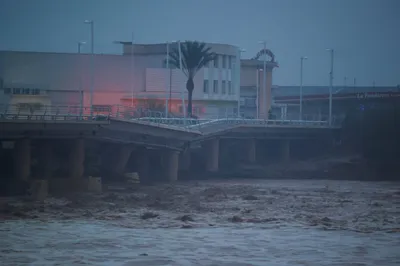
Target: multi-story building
135 77
138 77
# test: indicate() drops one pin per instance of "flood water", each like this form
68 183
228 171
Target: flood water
291 222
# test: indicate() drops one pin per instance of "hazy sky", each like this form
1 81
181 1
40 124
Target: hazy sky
364 33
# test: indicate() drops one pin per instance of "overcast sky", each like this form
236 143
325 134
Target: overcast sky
364 33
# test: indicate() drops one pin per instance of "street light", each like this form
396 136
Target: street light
330 86
257 90
91 23
168 81
80 44
301 85
240 63
132 68
264 78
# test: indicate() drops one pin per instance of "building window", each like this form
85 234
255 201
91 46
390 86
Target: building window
205 86
215 87
230 91
223 88
101 108
230 62
29 106
224 61
7 90
216 61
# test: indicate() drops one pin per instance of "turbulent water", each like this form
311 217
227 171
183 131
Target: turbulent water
211 223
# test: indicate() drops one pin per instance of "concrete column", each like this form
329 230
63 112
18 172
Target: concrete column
184 160
285 150
22 159
171 164
251 151
212 155
143 164
45 160
76 158
122 157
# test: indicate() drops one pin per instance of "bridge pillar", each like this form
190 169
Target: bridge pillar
251 150
22 159
212 155
285 150
185 160
122 157
171 164
76 158
143 164
45 160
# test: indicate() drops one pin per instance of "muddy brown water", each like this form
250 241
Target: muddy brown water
240 222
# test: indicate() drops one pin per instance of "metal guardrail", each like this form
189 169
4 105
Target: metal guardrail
34 112
78 113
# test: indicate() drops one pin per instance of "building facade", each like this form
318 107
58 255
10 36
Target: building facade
136 77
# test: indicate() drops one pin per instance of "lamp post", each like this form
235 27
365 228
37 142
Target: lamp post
240 58
132 68
257 89
80 44
301 85
182 92
91 23
168 82
264 100
330 86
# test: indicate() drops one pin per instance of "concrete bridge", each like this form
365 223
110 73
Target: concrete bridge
124 141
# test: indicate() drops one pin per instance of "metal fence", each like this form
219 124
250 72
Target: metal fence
79 113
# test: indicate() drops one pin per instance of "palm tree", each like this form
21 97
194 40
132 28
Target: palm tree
195 55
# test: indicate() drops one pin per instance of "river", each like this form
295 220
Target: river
241 222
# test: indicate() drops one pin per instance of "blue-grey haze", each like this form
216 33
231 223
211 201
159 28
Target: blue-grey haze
364 33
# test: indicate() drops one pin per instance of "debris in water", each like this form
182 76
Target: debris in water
149 215
250 197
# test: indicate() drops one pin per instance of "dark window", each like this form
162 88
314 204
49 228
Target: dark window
224 61
7 90
230 91
216 62
101 108
205 86
215 87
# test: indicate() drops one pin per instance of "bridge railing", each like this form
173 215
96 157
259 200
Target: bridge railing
32 112
83 113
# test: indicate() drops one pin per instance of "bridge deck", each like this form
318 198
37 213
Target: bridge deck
156 129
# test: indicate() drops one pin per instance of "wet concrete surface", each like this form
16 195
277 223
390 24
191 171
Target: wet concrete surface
236 222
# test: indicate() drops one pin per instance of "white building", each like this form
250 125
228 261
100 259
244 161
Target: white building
135 77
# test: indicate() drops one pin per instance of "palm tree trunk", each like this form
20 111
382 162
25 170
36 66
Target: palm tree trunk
189 107
189 88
